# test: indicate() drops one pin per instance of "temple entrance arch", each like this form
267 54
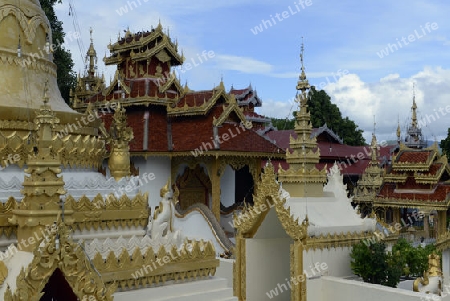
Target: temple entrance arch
268 232
59 261
57 288
195 187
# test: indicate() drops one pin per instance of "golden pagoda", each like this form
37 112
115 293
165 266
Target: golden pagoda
90 83
305 153
370 181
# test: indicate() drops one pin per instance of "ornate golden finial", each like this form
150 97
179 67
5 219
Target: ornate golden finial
374 147
165 189
398 130
46 92
159 27
302 84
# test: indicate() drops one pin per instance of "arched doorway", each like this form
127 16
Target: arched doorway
244 185
195 187
57 289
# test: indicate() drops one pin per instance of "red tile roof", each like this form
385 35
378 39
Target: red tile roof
439 194
434 168
197 133
412 156
239 91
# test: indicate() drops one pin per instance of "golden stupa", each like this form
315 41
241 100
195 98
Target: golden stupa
26 71
27 63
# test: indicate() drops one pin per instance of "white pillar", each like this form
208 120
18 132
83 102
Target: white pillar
446 265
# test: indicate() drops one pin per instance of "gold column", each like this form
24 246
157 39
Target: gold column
298 292
442 223
239 269
396 215
426 225
255 170
215 183
121 135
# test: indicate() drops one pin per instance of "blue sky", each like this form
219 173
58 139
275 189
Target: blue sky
365 54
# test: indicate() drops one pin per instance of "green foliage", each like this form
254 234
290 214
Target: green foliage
283 124
374 265
66 77
445 145
323 111
414 260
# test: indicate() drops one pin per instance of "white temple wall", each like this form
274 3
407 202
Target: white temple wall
160 167
268 267
336 259
227 187
314 290
338 289
268 261
195 226
225 270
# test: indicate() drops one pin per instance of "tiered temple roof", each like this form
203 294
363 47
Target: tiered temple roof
248 99
418 178
168 117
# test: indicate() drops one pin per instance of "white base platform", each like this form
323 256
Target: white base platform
212 289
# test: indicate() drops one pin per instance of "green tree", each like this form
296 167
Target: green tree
66 77
323 111
445 145
283 124
414 260
374 265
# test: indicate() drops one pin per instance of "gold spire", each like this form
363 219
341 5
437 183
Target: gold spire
302 84
399 132
43 186
373 144
414 138
374 147
302 178
414 108
91 56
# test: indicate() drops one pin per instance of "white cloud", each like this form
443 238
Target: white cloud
390 101
278 108
242 64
